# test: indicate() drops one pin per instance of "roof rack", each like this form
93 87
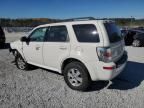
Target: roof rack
80 19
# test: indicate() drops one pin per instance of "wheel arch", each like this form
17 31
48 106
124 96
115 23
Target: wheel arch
69 60
16 51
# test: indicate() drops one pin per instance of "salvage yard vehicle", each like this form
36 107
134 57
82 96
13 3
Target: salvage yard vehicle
129 35
82 49
138 40
2 36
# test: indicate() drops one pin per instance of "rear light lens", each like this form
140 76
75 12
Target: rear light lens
104 54
109 68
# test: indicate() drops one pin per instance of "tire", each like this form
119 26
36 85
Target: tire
136 43
20 62
76 76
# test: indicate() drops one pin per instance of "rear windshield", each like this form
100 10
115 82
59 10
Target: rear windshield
113 31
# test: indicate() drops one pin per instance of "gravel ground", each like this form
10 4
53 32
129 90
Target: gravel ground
40 88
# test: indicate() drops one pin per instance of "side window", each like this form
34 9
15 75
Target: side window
38 35
86 33
57 34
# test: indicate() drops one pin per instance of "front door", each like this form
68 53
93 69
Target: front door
32 49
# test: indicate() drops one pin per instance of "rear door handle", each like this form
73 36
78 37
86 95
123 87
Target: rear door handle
37 47
62 47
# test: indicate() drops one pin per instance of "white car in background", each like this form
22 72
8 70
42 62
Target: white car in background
83 50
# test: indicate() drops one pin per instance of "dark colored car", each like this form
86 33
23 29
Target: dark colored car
2 36
124 32
129 35
139 28
138 40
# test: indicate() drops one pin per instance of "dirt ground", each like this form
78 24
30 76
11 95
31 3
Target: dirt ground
39 88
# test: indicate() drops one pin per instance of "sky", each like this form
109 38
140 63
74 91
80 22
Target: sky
61 9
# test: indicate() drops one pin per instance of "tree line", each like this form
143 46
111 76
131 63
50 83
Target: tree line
129 22
32 22
26 22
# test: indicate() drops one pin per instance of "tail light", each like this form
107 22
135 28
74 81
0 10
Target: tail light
104 54
109 68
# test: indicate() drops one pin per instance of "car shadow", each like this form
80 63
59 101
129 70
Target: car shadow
30 68
130 78
5 46
97 85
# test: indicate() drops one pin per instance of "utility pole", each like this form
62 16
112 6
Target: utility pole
131 20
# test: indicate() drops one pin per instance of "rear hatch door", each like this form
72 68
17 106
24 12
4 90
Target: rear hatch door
115 39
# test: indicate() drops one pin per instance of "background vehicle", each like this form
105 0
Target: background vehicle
139 28
2 36
124 32
129 35
82 50
138 40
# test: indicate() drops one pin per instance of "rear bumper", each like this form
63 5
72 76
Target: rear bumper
120 65
108 74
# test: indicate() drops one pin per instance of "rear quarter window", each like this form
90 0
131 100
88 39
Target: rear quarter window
86 33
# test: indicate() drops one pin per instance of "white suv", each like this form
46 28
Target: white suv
82 50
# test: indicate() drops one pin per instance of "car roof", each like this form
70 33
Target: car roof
75 22
140 31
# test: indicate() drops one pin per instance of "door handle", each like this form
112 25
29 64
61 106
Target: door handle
63 48
37 47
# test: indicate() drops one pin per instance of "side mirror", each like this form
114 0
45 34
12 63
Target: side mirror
24 39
